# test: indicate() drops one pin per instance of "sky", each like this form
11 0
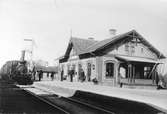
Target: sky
50 24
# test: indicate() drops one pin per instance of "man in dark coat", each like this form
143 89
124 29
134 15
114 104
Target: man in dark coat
71 75
82 76
40 75
62 73
52 76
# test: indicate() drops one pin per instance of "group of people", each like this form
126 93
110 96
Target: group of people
81 76
72 73
39 74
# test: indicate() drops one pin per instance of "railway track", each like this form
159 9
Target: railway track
84 104
14 100
47 102
52 99
90 105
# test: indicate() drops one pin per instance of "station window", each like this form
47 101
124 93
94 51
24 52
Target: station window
141 50
127 47
109 70
147 71
133 48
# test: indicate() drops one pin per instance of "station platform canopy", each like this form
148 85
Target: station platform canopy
137 59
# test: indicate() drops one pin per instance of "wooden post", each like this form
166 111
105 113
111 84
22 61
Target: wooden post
153 76
118 77
156 78
133 74
130 73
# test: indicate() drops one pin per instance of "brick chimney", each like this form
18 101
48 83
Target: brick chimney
91 38
112 32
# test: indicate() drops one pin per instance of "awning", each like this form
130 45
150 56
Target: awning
137 59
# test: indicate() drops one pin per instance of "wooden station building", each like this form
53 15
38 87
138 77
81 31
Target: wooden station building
123 59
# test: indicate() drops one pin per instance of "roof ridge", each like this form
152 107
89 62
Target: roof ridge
114 37
79 43
84 39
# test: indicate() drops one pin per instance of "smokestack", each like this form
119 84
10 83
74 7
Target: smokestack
22 55
112 32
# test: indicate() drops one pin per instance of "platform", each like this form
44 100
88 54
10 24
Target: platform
67 89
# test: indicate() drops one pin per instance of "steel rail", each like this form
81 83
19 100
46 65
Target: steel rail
89 105
46 101
82 103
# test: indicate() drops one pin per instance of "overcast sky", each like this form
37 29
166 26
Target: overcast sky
49 23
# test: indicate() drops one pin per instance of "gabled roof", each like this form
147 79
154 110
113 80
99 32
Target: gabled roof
103 43
79 45
83 46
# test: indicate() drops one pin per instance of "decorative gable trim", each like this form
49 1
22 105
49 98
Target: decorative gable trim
118 41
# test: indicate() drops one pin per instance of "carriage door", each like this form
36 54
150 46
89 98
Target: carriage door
89 72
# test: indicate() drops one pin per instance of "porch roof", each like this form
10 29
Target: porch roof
137 59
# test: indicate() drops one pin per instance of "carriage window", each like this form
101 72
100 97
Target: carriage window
109 70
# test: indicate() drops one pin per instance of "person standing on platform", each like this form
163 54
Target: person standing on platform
47 74
71 75
33 73
62 73
82 76
40 75
52 76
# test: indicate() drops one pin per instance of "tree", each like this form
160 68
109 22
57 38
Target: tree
8 69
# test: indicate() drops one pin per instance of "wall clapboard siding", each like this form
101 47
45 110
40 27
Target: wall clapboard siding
147 53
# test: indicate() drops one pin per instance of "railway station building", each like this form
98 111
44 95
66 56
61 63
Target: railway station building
126 58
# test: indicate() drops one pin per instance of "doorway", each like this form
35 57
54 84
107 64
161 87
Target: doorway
109 70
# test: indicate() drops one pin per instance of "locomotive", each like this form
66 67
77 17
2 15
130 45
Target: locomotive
21 75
